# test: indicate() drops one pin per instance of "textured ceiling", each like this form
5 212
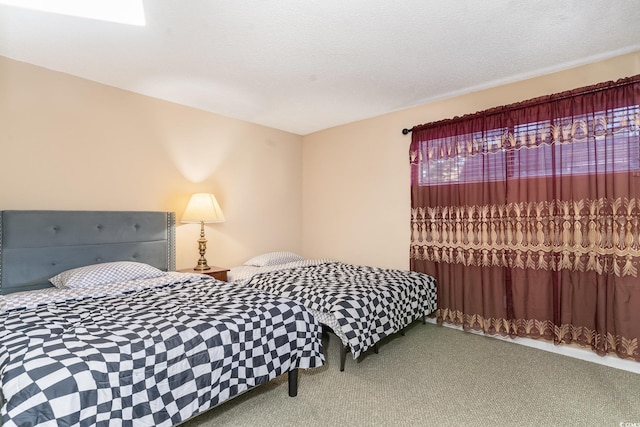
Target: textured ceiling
304 66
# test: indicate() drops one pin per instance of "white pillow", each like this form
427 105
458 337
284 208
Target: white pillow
273 258
105 273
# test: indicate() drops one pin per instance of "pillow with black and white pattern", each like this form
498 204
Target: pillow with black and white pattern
105 273
273 258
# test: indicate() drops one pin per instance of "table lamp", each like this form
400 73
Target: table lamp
203 208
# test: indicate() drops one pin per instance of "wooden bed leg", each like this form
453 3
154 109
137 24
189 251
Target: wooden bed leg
402 332
343 356
375 348
293 382
424 320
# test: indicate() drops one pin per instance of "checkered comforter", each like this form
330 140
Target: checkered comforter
368 303
149 357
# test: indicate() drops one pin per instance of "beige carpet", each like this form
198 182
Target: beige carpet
438 376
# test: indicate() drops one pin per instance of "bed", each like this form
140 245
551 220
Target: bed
122 339
360 304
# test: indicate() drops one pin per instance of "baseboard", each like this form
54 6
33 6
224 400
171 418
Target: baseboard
565 350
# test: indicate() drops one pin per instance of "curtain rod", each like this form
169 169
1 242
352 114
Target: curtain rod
598 87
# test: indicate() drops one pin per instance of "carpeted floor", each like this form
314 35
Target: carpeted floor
438 376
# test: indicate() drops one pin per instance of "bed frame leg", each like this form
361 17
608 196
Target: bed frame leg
293 382
424 320
343 356
375 348
325 332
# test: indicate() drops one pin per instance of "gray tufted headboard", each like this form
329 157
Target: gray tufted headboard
36 245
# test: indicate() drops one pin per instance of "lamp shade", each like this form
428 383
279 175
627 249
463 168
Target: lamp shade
202 207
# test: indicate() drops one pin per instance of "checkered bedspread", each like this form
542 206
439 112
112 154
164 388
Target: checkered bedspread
368 303
150 357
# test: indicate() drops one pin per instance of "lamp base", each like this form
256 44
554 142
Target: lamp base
202 247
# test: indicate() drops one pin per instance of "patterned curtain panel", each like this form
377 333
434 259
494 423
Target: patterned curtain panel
528 215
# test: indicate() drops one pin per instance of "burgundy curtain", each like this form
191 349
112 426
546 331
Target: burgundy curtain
528 216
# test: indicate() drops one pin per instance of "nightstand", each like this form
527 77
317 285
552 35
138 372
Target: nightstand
218 273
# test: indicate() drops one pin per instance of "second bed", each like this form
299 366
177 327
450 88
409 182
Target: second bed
360 304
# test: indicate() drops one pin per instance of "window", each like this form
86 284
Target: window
600 142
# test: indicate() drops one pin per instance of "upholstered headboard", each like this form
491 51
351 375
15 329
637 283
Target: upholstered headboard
36 245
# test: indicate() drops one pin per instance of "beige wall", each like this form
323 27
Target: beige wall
356 198
68 143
